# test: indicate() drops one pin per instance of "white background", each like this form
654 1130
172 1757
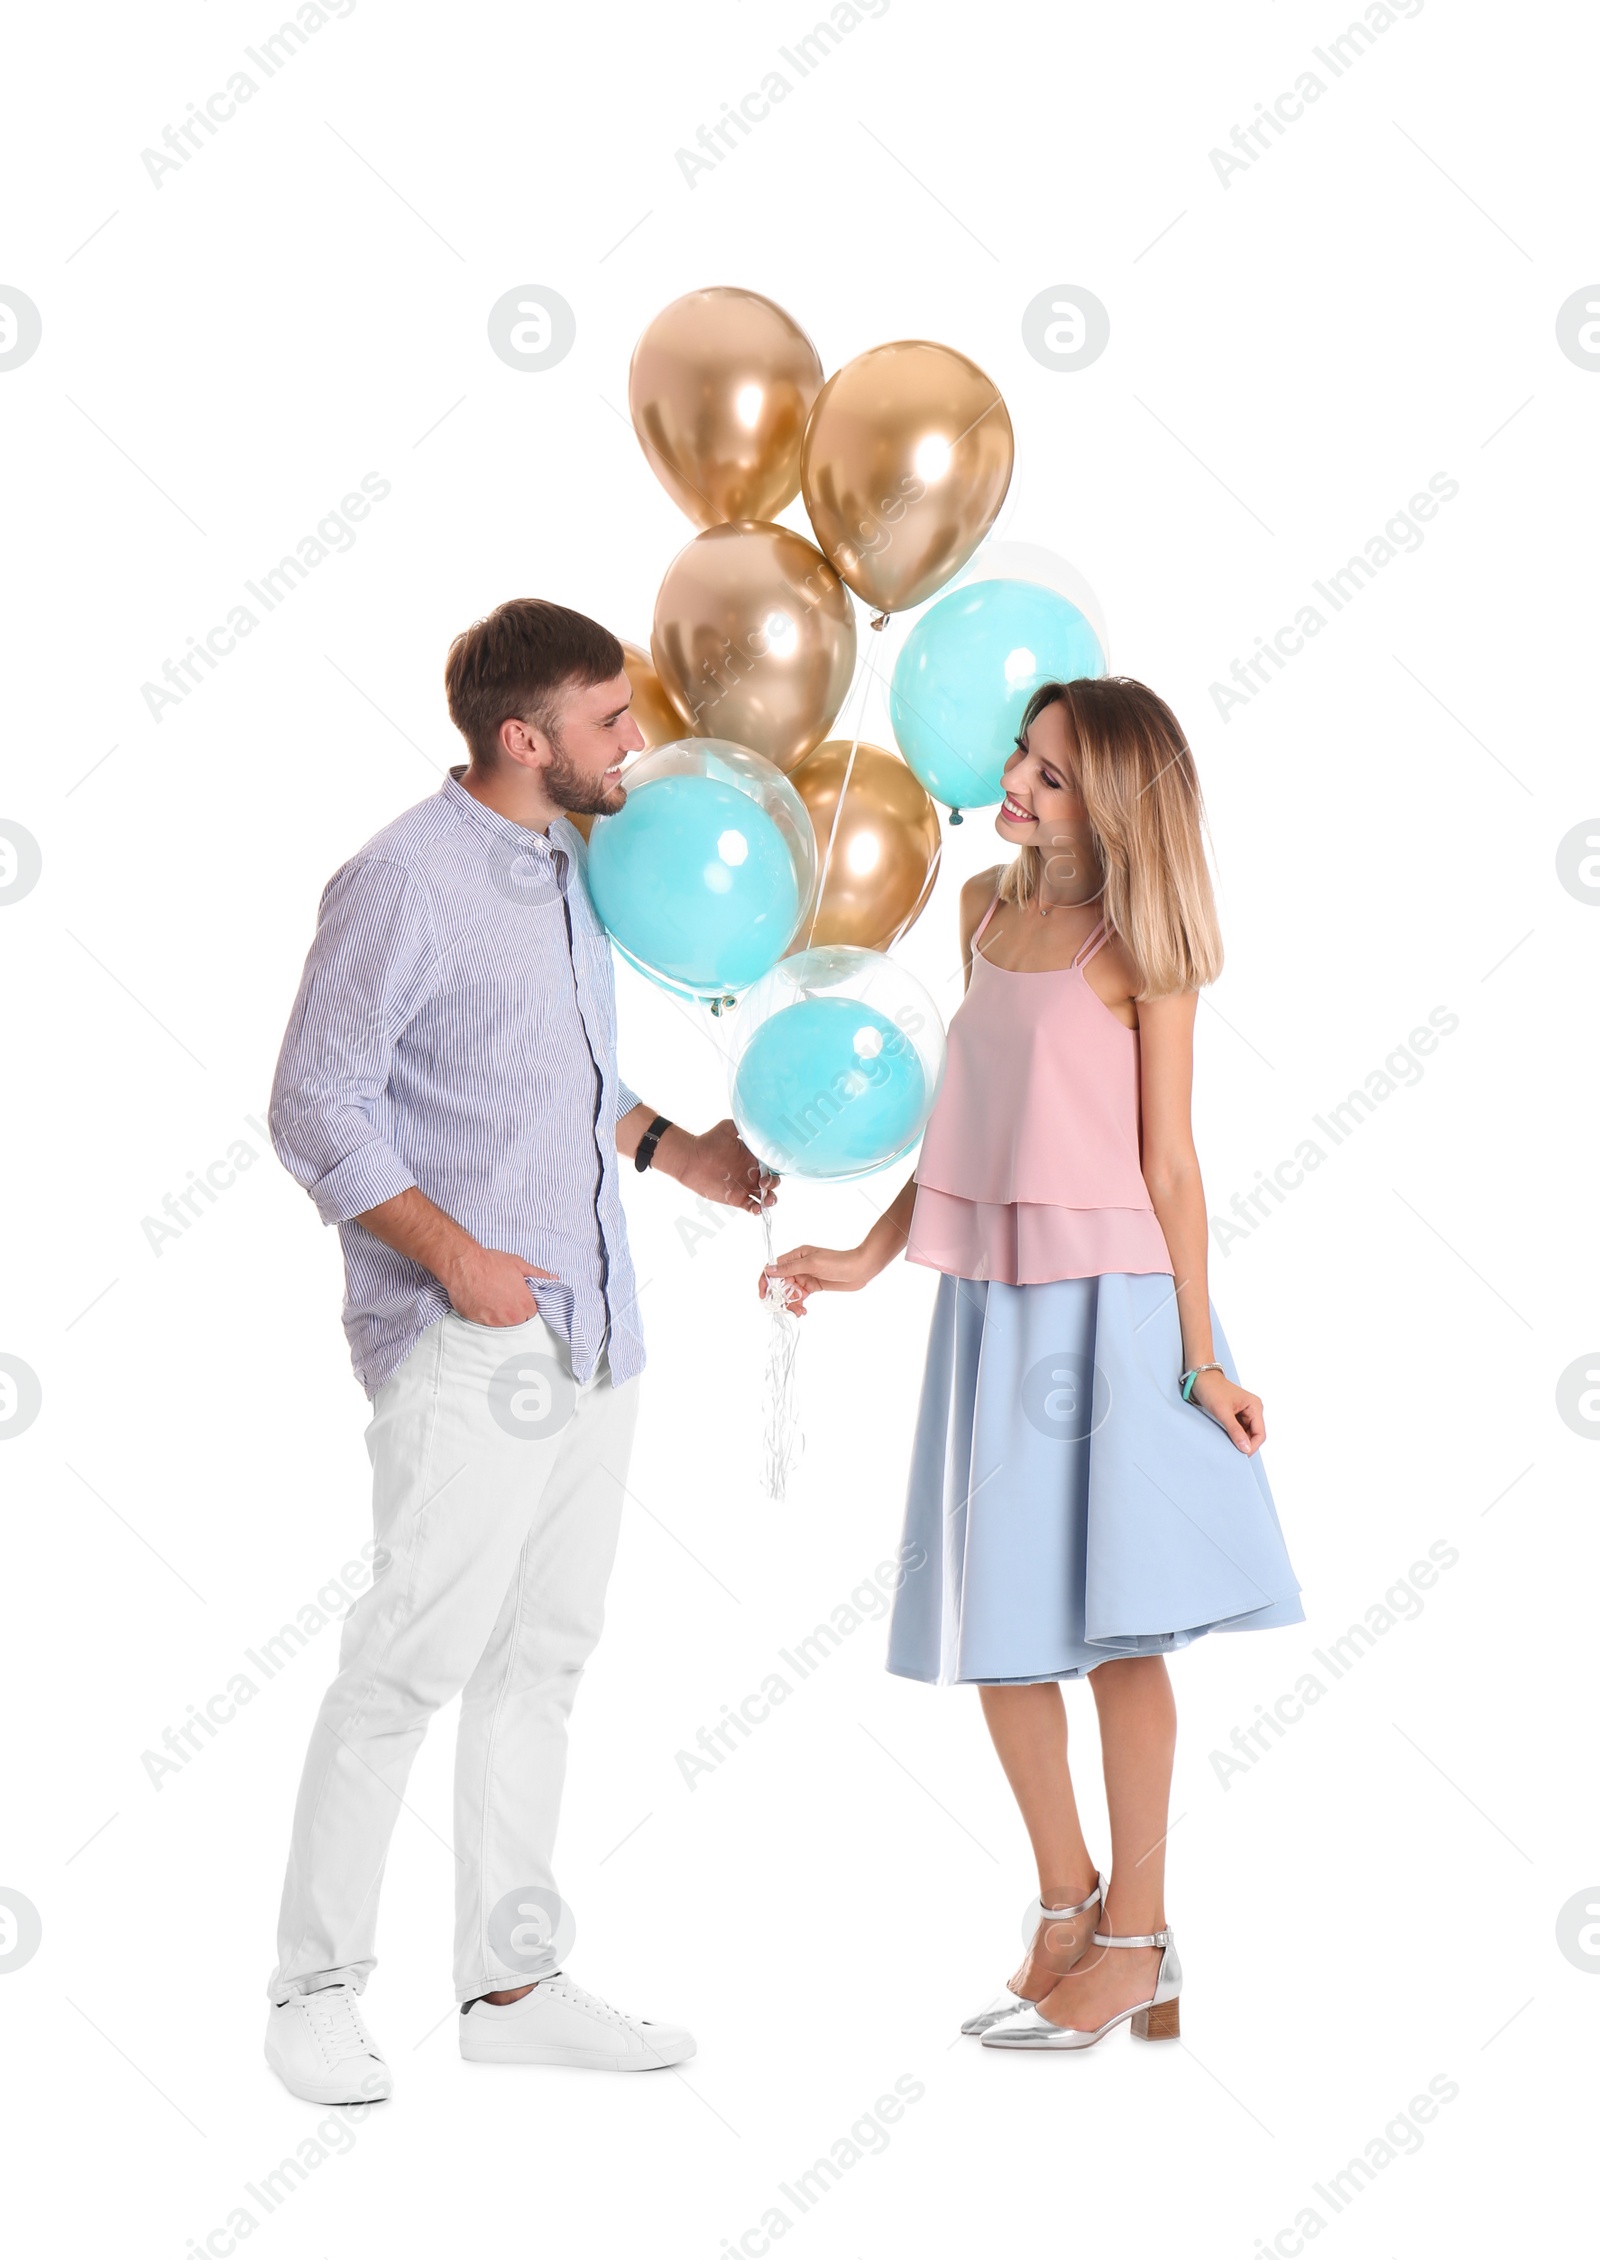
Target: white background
1374 1901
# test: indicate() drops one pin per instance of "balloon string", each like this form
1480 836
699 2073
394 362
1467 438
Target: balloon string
867 681
782 1440
921 902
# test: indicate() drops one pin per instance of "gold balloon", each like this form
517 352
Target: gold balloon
755 639
719 390
658 719
906 462
885 851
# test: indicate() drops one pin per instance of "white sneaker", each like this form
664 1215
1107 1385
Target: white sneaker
322 2052
558 2023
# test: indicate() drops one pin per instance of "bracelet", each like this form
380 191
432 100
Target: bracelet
644 1152
1192 1376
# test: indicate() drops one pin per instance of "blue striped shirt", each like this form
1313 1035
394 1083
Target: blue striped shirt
456 1030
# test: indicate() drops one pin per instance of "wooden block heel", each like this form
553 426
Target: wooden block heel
1159 2022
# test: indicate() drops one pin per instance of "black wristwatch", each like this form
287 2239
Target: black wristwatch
645 1152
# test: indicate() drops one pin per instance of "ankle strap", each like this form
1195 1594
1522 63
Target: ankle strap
1150 1938
1096 1898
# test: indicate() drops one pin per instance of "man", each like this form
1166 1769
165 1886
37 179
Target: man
448 1094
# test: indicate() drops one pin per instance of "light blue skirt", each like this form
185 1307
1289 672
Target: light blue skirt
1065 1506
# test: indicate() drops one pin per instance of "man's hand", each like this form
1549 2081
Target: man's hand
491 1288
718 1165
485 1285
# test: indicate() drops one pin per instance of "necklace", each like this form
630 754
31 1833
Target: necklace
1082 903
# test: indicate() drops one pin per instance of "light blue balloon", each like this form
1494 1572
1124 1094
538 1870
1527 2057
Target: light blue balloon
967 671
828 1087
695 884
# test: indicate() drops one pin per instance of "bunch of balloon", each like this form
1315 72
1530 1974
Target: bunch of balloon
903 458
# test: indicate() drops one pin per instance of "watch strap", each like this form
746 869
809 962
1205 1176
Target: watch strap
644 1152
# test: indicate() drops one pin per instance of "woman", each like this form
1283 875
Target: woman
1085 1489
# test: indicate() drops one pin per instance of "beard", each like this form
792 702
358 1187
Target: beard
572 791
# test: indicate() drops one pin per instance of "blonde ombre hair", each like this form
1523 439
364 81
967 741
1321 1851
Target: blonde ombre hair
1142 795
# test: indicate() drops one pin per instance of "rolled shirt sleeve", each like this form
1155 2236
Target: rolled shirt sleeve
626 1100
373 963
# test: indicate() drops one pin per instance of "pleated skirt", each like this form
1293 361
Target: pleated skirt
1065 1506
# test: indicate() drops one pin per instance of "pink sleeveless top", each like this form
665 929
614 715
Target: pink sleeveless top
1030 1163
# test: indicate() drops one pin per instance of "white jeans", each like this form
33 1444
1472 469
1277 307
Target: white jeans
497 1496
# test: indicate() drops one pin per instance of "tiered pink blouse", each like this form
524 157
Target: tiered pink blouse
1030 1163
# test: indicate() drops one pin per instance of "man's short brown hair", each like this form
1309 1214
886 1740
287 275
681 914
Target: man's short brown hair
515 664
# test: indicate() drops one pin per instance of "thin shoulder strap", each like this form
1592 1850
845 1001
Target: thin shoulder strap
983 921
1092 947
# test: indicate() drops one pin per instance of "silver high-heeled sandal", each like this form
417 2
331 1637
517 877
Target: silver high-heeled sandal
1155 2019
1006 2003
